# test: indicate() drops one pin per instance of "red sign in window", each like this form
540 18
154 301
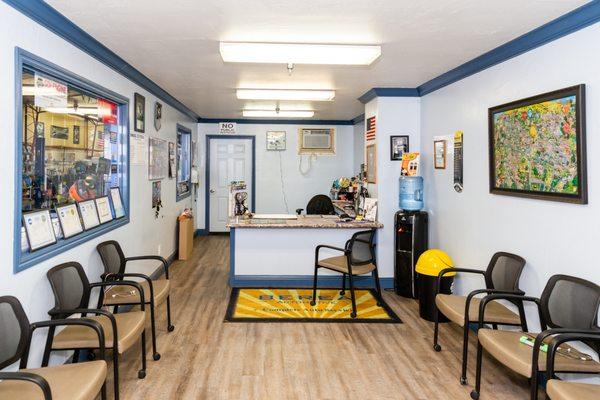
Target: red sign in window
107 111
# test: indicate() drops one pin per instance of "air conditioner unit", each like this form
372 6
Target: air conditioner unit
316 141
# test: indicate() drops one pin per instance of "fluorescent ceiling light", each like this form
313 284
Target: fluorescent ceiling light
277 114
296 53
285 94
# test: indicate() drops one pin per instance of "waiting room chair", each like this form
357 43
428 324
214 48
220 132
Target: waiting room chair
562 390
567 304
157 291
501 276
82 381
72 291
358 259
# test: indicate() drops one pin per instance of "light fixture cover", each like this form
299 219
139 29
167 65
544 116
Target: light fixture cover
277 114
298 53
285 94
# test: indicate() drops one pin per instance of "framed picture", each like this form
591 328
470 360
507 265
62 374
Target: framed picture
59 132
89 214
139 116
76 134
117 202
439 154
158 159
372 163
398 146
157 116
276 140
156 198
39 229
70 223
104 212
537 147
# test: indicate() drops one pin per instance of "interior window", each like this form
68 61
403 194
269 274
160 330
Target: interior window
184 162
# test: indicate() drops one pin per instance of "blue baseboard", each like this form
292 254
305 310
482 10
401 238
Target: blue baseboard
304 281
201 232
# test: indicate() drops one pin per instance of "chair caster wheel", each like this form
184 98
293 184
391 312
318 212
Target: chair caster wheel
171 328
141 374
156 356
463 380
474 395
312 303
342 292
437 347
353 315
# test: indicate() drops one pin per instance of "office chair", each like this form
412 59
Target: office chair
72 292
358 259
567 304
501 276
320 205
82 381
562 390
157 291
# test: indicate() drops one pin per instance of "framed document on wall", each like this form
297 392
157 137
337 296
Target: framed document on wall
89 214
69 220
115 196
103 208
39 229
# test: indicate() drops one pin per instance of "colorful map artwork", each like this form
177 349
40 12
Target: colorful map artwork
535 147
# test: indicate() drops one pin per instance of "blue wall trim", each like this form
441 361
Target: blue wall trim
51 19
207 176
277 121
388 92
303 281
231 256
358 119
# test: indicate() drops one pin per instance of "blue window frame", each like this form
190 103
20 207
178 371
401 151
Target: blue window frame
92 126
184 162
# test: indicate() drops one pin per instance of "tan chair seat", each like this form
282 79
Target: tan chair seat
80 381
129 327
561 390
122 294
506 348
453 307
340 263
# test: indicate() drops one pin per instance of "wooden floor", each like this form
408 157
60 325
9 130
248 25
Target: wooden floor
205 358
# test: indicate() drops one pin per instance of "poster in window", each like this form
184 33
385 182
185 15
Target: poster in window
158 159
107 111
70 223
139 113
59 132
89 214
104 211
39 129
39 229
49 93
76 134
117 201
172 166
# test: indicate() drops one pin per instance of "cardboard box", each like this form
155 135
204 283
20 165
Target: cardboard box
186 237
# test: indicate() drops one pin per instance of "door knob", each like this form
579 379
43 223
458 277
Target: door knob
212 190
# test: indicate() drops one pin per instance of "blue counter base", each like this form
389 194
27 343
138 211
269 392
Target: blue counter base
284 281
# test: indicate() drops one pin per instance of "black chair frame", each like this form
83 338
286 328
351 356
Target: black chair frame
545 322
22 353
348 253
59 313
489 290
112 276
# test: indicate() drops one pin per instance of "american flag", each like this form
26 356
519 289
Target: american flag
370 134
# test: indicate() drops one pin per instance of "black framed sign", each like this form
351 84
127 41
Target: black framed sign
139 113
398 146
537 147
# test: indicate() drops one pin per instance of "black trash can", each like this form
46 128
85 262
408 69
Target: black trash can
429 266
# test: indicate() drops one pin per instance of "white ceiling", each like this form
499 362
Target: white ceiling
176 43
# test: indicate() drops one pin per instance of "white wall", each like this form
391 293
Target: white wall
143 235
472 225
298 188
359 147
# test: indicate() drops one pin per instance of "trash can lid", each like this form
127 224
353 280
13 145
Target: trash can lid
433 261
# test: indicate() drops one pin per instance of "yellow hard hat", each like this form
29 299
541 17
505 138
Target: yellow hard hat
433 261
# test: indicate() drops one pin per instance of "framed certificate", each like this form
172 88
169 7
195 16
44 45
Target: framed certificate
70 223
39 229
117 202
89 214
104 211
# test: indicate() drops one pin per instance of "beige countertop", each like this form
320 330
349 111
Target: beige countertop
303 221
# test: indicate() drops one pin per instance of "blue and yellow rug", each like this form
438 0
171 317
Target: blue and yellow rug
293 305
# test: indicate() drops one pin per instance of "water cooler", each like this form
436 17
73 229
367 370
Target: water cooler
411 235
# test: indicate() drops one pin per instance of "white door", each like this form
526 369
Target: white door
230 160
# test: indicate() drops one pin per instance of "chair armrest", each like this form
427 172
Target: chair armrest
136 285
446 271
508 296
158 258
29 377
562 336
319 247
488 291
77 321
83 311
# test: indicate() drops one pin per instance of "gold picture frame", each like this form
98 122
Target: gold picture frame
371 152
439 154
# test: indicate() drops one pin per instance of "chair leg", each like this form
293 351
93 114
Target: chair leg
475 393
523 318
142 372
436 329
156 354
343 292
377 286
116 372
75 357
48 348
314 295
351 279
103 391
170 326
465 360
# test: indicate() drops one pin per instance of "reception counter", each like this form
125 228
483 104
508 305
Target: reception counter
278 252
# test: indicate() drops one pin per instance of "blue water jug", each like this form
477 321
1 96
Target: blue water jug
411 193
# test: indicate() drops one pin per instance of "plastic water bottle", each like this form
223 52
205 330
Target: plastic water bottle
411 193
